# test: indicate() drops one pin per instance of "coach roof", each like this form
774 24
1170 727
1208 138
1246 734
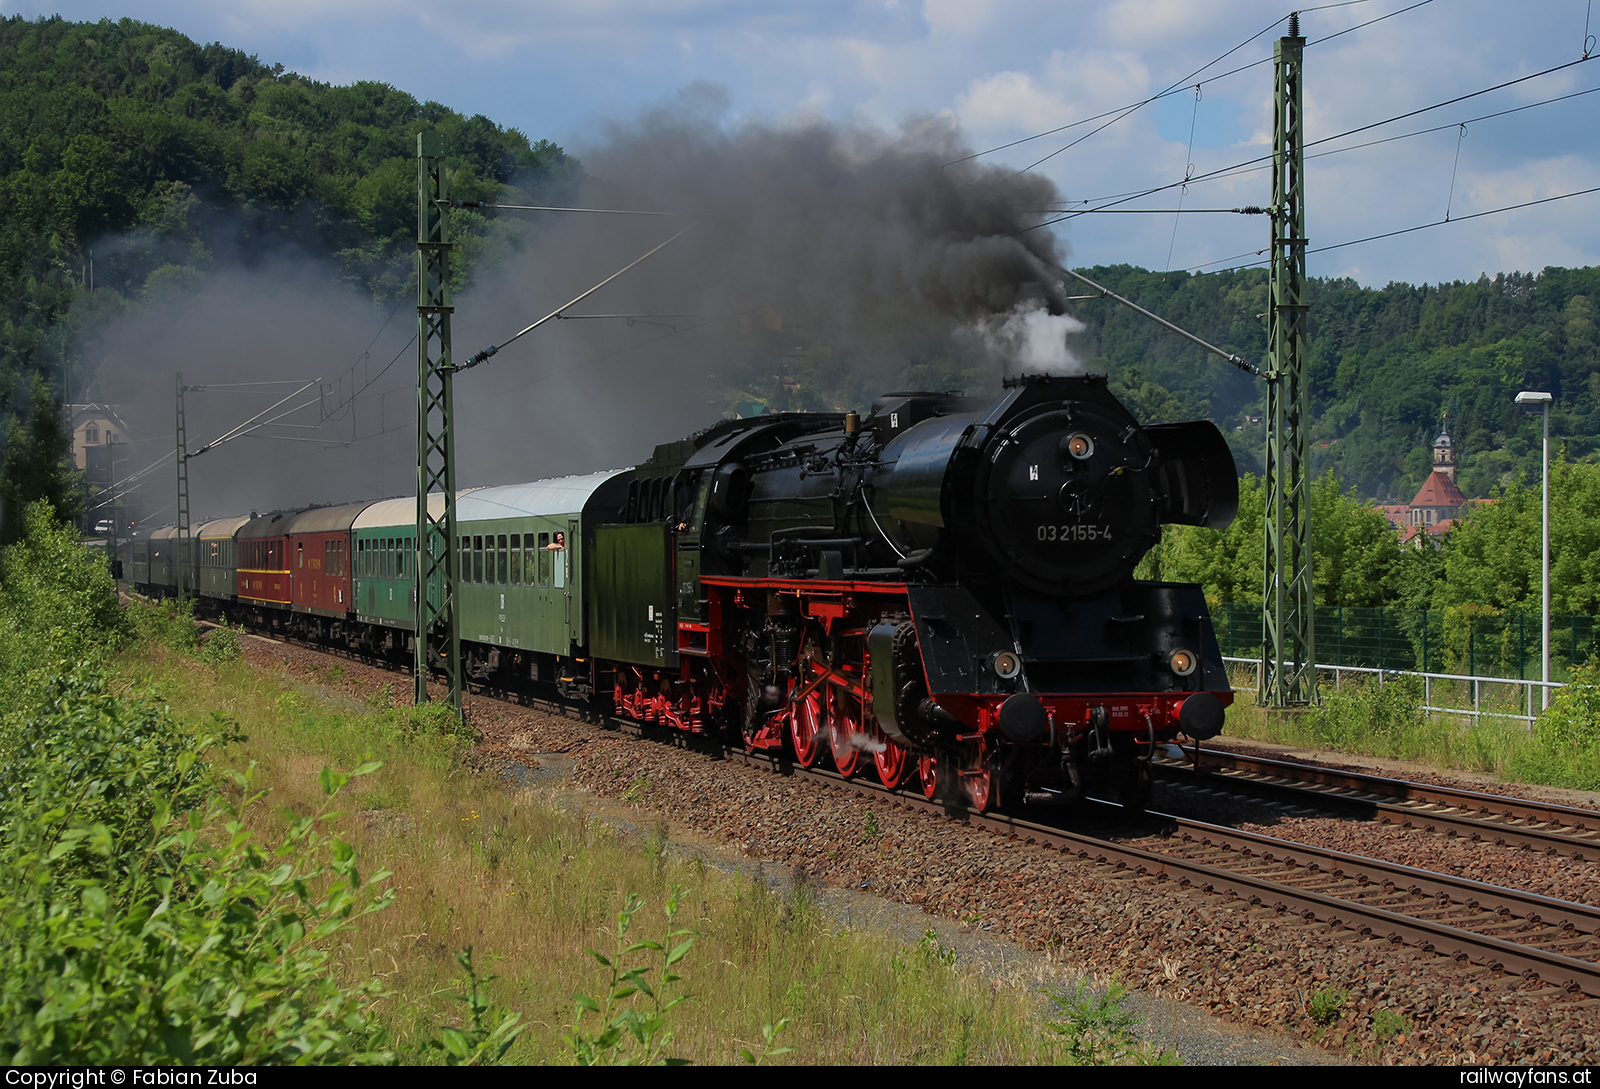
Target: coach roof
328 519
541 498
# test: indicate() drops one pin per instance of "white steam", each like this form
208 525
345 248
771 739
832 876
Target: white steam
1032 340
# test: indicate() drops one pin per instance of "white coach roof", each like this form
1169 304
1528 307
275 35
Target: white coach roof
401 512
541 498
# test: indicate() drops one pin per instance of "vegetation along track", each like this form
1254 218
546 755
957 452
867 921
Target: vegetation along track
1508 822
1500 929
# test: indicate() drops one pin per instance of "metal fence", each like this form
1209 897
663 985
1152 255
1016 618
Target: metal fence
1508 698
1461 642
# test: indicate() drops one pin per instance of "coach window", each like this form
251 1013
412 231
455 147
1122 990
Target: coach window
477 559
516 559
544 559
502 576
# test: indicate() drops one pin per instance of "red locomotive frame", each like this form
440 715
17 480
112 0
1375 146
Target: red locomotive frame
828 708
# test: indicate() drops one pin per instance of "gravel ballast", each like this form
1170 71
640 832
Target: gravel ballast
1256 973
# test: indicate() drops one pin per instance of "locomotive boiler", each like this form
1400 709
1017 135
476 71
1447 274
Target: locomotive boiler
942 589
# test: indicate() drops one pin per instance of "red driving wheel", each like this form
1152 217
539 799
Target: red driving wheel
894 762
842 733
805 723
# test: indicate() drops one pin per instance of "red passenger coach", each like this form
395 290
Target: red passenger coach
264 575
319 560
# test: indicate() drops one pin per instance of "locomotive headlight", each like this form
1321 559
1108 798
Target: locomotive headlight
1006 665
1182 662
1080 446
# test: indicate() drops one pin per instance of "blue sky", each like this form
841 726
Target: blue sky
1007 70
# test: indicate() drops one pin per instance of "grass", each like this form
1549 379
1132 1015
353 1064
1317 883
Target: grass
1365 717
531 886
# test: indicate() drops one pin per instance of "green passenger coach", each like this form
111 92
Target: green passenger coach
381 544
524 550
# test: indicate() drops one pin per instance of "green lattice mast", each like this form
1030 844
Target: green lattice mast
438 639
181 538
1288 674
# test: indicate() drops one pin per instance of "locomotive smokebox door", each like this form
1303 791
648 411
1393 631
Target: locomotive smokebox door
636 620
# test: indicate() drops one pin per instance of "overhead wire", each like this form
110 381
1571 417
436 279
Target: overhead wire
1124 111
481 357
1252 166
1188 172
1259 162
1401 231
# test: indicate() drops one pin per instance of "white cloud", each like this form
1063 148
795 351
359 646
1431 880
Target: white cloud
958 17
1071 86
1143 22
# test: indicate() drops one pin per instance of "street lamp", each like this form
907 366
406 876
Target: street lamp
1528 397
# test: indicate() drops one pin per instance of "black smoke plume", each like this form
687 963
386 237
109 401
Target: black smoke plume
824 264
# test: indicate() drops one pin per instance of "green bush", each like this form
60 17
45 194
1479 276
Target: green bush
58 609
1384 719
1326 1004
224 644
1097 1029
1565 747
168 623
139 921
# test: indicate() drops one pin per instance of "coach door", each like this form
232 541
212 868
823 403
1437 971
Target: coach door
567 580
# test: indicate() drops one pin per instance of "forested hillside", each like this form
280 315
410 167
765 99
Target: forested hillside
1386 365
132 159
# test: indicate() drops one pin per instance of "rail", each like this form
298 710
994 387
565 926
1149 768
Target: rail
1430 681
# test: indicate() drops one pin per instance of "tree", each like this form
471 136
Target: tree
1357 559
1494 557
34 462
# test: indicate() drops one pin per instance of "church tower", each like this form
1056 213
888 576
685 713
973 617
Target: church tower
1444 453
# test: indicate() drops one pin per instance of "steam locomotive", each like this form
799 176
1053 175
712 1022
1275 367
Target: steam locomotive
941 591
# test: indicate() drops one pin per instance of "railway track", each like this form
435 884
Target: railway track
1501 929
1545 827
1438 913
